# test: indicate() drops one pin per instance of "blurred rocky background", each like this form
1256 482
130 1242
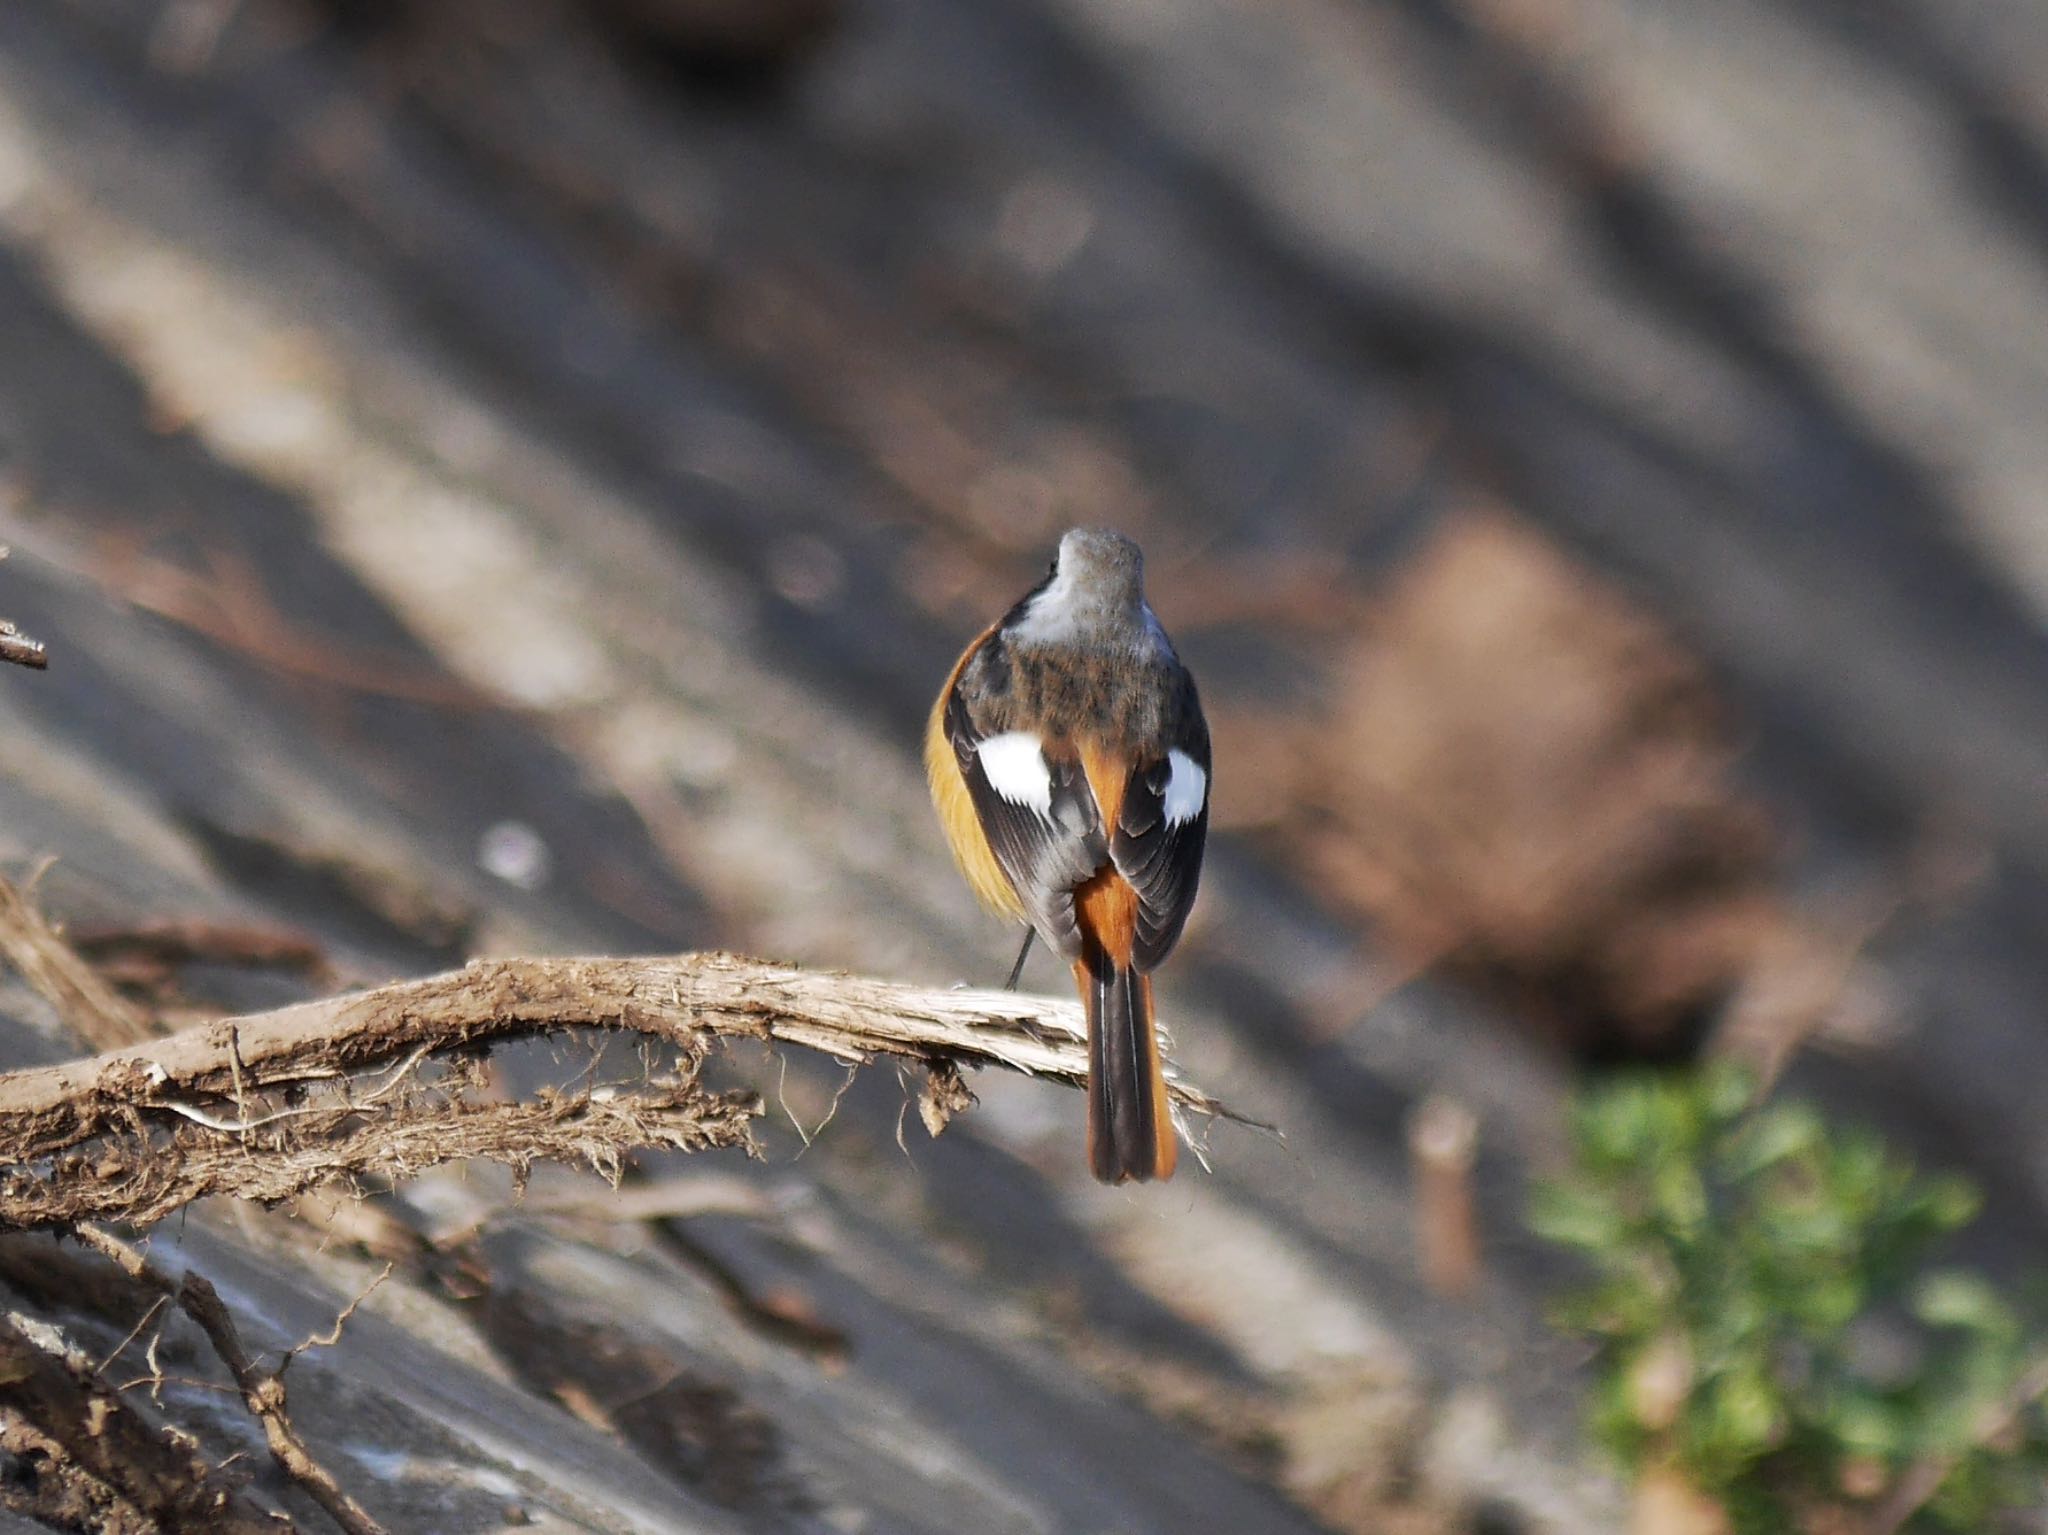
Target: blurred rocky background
507 476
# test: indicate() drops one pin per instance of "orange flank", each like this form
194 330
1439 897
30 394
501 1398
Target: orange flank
971 850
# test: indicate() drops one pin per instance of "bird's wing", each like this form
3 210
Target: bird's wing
1035 808
1162 824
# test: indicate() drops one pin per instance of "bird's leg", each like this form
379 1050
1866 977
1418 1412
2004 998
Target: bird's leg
1022 954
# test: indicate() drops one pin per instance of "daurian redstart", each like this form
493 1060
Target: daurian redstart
1069 761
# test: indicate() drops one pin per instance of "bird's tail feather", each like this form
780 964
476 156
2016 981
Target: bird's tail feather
1130 1132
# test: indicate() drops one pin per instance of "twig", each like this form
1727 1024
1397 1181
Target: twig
231 607
18 647
155 1308
85 1003
332 1336
21 650
781 1313
664 1199
262 1390
1443 1143
138 1132
192 940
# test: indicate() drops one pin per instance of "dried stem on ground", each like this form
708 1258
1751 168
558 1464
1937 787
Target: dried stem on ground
84 1002
262 1390
384 1082
84 1458
149 953
230 606
1443 1145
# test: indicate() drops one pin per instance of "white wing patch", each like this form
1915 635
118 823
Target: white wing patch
1016 769
1187 788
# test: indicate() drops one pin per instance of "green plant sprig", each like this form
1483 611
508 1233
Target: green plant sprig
1768 1320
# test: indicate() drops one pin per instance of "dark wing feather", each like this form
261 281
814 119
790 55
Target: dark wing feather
1162 862
1046 855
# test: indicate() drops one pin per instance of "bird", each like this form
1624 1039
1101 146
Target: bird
1069 765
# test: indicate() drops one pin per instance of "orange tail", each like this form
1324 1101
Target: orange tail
1130 1133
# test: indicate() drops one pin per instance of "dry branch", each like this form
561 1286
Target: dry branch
262 1390
17 647
20 649
384 1082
